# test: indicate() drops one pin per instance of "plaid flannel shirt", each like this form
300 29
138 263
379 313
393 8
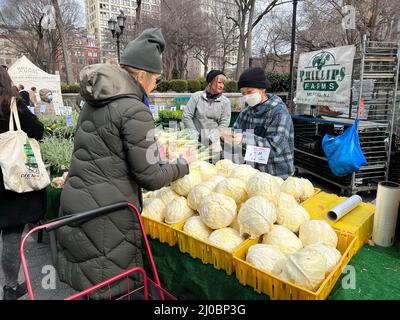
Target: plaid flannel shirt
270 125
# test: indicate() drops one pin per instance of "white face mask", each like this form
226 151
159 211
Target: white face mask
253 99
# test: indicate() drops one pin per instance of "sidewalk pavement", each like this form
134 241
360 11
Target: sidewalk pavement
39 259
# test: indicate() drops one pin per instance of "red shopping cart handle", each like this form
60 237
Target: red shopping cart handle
63 221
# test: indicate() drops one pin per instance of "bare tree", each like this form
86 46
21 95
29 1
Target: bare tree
138 17
227 34
376 18
181 24
64 43
246 10
22 24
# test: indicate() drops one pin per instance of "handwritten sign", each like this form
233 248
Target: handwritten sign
257 154
42 108
70 120
154 111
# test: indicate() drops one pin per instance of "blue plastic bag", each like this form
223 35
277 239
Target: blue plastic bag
344 152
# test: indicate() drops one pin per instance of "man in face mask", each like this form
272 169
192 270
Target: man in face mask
265 122
45 105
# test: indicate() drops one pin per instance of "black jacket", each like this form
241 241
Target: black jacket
25 97
20 208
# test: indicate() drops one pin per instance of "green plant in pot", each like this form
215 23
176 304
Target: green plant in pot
167 116
57 152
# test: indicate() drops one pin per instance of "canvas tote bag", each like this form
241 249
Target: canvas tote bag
20 159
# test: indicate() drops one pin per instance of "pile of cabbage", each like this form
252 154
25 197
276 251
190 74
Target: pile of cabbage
225 204
304 258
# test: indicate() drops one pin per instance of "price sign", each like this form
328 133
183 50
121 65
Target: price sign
257 154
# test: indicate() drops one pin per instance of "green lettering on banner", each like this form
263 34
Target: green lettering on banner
301 75
320 86
342 74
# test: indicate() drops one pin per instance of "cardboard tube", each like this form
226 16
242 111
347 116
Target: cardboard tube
386 211
343 208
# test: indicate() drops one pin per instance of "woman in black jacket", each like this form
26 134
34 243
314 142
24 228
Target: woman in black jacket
16 209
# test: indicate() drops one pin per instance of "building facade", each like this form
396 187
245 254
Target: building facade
98 12
84 49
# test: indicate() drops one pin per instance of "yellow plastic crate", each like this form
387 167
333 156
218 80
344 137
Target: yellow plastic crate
359 221
164 232
206 252
278 289
316 191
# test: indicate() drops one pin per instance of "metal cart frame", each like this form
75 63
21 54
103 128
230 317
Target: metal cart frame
148 284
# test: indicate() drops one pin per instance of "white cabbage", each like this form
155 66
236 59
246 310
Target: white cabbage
166 194
197 194
217 210
265 185
233 188
284 239
148 195
292 215
235 225
308 189
153 208
214 181
187 183
226 238
267 258
279 181
177 211
195 227
225 167
207 170
243 172
331 254
256 216
285 198
305 268
318 231
300 188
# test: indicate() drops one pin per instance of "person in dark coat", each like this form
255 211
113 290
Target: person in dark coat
115 155
24 94
16 209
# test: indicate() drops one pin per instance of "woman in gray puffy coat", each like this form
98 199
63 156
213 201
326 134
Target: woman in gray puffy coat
114 157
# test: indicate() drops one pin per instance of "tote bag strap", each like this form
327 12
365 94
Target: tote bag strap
14 115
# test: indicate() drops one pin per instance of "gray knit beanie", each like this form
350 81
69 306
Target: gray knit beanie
145 51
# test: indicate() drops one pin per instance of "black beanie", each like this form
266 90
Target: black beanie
212 74
254 78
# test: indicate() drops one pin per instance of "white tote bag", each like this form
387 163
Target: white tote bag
20 159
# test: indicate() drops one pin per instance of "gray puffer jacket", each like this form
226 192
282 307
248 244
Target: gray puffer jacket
109 164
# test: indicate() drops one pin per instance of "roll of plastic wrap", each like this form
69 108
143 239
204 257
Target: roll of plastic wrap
386 211
343 208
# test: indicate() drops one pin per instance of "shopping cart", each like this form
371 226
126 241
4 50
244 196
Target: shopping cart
149 289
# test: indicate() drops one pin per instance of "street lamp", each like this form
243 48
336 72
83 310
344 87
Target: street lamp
112 25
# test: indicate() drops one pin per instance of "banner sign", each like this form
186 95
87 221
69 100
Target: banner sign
324 77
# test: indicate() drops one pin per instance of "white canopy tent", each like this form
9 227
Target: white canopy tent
25 72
